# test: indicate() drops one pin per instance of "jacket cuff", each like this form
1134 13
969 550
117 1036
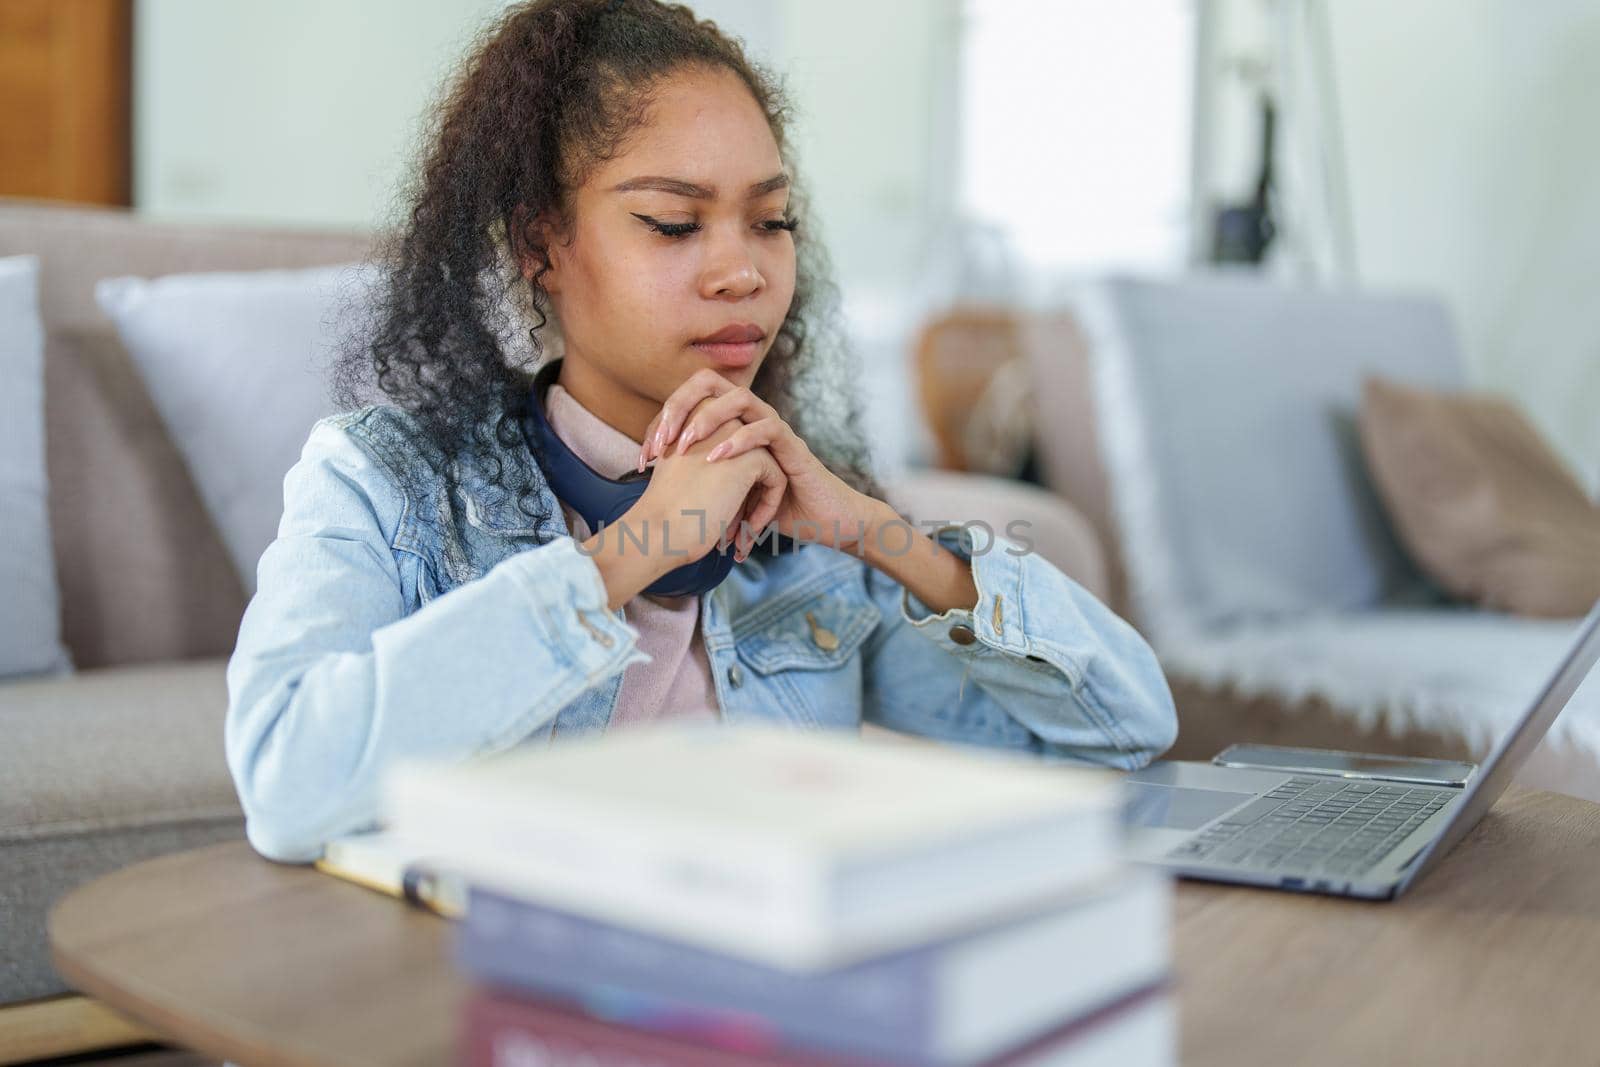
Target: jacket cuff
569 594
996 620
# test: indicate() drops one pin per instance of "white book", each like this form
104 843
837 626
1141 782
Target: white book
801 849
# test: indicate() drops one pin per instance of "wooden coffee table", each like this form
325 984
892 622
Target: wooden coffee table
1494 958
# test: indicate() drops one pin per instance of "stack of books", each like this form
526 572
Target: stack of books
705 895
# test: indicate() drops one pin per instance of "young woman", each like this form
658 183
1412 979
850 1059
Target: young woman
621 170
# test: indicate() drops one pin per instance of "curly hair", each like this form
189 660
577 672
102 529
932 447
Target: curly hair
455 331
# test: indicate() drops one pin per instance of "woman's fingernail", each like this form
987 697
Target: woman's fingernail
685 441
718 452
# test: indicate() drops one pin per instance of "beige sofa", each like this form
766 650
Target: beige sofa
123 759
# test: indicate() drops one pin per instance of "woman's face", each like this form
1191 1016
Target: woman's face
676 238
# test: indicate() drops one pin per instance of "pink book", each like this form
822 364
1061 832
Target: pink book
502 1029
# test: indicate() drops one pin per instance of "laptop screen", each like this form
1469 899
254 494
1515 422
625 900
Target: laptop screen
1513 750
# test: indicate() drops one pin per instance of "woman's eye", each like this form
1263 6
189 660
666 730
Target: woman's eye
669 229
683 229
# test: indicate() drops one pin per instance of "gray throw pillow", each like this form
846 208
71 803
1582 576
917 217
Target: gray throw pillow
1225 408
30 605
237 365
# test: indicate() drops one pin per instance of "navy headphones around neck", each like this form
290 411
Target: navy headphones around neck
601 500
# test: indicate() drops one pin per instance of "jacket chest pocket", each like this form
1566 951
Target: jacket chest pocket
805 652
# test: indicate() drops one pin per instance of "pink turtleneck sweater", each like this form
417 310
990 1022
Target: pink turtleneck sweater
676 682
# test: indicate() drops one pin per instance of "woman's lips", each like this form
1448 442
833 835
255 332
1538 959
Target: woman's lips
730 354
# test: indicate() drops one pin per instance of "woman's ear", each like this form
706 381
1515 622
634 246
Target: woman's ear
533 242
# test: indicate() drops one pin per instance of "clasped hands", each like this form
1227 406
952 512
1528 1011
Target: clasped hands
710 419
725 456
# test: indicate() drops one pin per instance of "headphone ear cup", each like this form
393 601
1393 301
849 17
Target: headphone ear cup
697 578
628 496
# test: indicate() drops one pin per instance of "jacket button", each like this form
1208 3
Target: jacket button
824 638
735 676
962 634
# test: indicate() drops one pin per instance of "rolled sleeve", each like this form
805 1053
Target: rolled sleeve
1037 662
998 576
579 620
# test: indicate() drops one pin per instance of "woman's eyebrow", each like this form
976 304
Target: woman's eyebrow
680 187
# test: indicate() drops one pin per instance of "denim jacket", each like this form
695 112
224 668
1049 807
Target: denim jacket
392 622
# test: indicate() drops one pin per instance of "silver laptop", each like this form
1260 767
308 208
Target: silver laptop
1340 823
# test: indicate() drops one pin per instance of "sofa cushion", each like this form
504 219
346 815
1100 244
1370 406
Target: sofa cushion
112 748
1226 413
1484 505
102 769
237 363
30 619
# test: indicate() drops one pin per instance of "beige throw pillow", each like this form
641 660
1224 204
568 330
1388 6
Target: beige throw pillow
1482 503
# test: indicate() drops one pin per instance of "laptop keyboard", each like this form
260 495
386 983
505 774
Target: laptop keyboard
1317 826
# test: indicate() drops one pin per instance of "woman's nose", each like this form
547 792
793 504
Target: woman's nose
731 271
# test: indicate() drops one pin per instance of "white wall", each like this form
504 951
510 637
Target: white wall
1474 171
1475 167
297 111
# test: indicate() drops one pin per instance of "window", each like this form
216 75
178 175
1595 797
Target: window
1075 130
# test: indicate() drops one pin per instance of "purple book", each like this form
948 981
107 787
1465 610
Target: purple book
956 1001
